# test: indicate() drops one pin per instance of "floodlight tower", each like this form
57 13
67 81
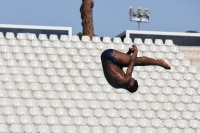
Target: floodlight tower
139 15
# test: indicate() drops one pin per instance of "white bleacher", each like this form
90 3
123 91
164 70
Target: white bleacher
57 85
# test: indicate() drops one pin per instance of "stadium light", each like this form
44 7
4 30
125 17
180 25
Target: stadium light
139 15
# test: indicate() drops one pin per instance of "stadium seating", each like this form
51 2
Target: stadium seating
57 85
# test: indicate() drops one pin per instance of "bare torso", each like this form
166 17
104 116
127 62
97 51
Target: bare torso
113 73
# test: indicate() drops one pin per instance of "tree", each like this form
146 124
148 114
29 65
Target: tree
80 34
87 17
192 31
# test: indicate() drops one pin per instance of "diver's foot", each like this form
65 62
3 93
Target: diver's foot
164 64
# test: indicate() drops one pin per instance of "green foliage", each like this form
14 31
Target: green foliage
192 31
80 34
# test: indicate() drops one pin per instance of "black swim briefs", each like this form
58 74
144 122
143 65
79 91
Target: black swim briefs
108 55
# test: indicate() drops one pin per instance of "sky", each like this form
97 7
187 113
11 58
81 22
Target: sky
111 17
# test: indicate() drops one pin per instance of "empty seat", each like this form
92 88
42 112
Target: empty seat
31 103
32 36
149 114
137 114
9 85
185 99
14 94
43 103
170 56
77 95
8 56
26 94
64 38
173 98
42 57
174 49
43 37
2 91
8 111
25 119
79 121
16 128
172 83
175 62
182 69
117 40
53 37
48 112
117 121
180 56
183 83
96 39
92 121
79 80
137 130
188 76
85 112
138 41
194 84
75 38
29 128
163 49
79 45
4 128
127 41
94 104
150 130
187 115
186 63
110 129
21 111
97 129
181 123
12 119
10 35
1 35
52 120
174 115
85 38
169 42
43 128
190 91
178 91
143 48
106 40
159 55
99 113
148 41
158 42
143 105
153 48
167 106
57 129
143 122
162 114
169 123
105 121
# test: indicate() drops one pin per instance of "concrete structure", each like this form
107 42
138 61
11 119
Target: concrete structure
57 30
179 38
57 85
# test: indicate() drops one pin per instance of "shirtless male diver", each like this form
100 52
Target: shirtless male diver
113 62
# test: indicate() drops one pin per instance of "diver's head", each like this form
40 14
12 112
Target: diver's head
132 86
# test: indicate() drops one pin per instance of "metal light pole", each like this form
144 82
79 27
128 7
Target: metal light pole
139 16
